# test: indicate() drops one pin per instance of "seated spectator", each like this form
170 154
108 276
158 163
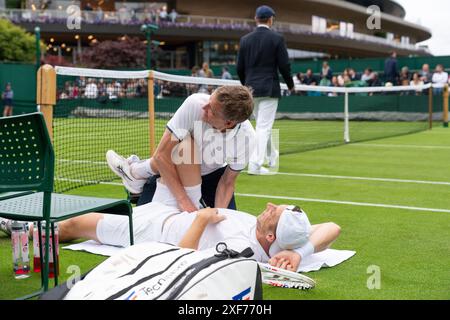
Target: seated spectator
173 15
376 82
310 79
367 76
416 81
352 74
134 17
101 87
98 15
226 74
325 82
112 95
75 94
334 83
205 72
163 15
298 78
124 16
91 90
341 78
194 71
405 77
140 88
440 77
349 83
63 95
425 74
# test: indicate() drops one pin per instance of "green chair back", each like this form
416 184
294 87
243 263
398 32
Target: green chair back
26 154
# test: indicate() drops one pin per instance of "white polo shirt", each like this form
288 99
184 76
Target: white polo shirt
238 231
440 77
232 147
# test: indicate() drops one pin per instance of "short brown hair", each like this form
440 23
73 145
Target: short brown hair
236 101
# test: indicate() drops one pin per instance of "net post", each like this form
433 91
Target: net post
46 94
430 107
151 111
346 116
445 107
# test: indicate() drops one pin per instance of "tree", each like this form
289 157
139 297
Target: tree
125 53
15 43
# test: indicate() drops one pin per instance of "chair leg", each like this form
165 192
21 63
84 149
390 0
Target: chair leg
55 263
46 255
41 252
130 218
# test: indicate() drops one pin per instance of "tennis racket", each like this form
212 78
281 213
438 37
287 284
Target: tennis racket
283 278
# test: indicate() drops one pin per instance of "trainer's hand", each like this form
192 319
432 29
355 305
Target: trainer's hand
187 206
210 215
286 259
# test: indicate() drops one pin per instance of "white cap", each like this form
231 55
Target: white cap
292 230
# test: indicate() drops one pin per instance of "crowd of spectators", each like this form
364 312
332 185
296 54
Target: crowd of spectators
103 89
370 78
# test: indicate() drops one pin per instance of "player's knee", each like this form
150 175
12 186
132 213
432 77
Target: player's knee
66 227
335 229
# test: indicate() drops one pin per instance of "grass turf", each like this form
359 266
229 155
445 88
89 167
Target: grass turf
411 248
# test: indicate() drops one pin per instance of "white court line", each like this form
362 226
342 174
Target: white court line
397 146
351 203
364 178
83 161
90 181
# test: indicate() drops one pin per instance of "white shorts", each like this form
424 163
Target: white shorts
148 219
165 196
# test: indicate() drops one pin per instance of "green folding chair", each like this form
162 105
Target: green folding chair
27 165
8 195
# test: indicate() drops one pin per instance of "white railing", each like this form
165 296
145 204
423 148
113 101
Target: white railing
137 18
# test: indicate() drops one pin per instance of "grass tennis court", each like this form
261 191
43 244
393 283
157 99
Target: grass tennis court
410 244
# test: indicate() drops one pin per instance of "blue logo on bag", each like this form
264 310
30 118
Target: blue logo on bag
244 295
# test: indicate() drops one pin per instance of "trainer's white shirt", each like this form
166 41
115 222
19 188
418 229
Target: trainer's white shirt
232 147
155 221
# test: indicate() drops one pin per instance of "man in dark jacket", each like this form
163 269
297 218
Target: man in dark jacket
391 69
262 54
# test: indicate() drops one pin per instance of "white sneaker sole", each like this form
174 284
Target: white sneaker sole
113 160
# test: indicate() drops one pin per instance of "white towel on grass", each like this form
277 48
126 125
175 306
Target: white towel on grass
328 258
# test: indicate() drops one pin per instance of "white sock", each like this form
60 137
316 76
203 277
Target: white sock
306 250
141 169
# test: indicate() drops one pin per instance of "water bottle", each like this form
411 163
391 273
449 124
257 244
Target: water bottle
36 253
21 258
51 266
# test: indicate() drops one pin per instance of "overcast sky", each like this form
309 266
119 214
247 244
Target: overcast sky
435 15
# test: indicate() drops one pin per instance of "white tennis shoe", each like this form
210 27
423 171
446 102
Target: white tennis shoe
5 226
261 171
121 167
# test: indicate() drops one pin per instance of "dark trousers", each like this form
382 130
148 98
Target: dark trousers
209 187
